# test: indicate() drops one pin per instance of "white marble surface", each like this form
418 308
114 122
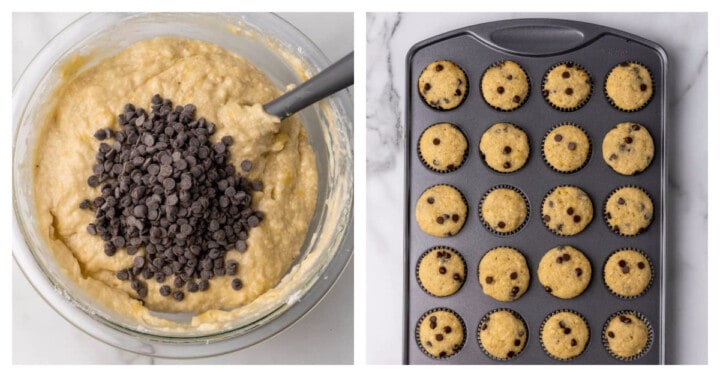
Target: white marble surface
41 336
684 36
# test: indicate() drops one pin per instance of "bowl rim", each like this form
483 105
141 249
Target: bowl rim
152 345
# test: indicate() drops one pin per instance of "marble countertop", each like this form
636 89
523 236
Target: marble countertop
41 336
685 39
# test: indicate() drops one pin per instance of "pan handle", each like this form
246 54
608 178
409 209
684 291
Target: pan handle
537 36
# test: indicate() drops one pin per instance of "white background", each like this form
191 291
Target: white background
41 336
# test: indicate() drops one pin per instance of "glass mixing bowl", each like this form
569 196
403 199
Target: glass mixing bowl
287 57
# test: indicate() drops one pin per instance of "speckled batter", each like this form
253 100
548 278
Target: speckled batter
443 85
567 210
441 271
502 334
627 273
440 333
504 147
503 274
564 335
629 86
629 211
628 148
566 148
504 210
626 335
441 211
443 147
567 86
505 85
564 272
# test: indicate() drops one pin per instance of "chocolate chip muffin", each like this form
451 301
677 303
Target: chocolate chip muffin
567 210
504 147
503 210
443 85
564 335
442 147
440 333
629 86
564 272
567 86
502 334
626 335
628 211
505 86
566 148
503 274
628 148
627 273
441 211
441 271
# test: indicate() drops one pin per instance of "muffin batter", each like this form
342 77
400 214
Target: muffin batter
222 86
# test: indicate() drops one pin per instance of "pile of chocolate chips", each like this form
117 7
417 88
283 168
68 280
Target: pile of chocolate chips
167 189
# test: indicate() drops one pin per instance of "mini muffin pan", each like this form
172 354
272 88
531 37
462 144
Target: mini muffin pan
537 45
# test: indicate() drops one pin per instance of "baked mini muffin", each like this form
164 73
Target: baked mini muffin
503 274
626 336
443 85
440 333
503 210
564 272
443 147
628 148
505 85
441 271
629 86
567 210
564 335
628 211
567 86
504 147
441 211
502 334
627 273
566 148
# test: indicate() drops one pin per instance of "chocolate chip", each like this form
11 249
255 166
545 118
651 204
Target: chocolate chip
489 279
483 327
430 200
573 342
546 218
509 77
427 86
570 210
439 337
622 263
611 334
236 284
442 270
516 99
450 167
625 320
559 260
577 218
578 272
641 265
458 92
626 270
562 324
545 93
178 295
612 157
558 137
514 291
123 275
447 329
566 75
548 289
455 217
643 87
510 354
439 67
566 257
572 146
625 64
507 150
500 90
501 224
165 291
560 226
567 330
436 141
440 220
433 325
457 277
442 354
517 342
628 140
569 91
507 165
513 275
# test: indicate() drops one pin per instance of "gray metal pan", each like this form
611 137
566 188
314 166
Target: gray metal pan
536 44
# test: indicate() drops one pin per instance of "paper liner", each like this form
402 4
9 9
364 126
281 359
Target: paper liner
542 326
652 84
651 266
467 86
651 335
587 159
488 226
529 91
442 171
486 317
605 213
429 251
417 332
581 103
